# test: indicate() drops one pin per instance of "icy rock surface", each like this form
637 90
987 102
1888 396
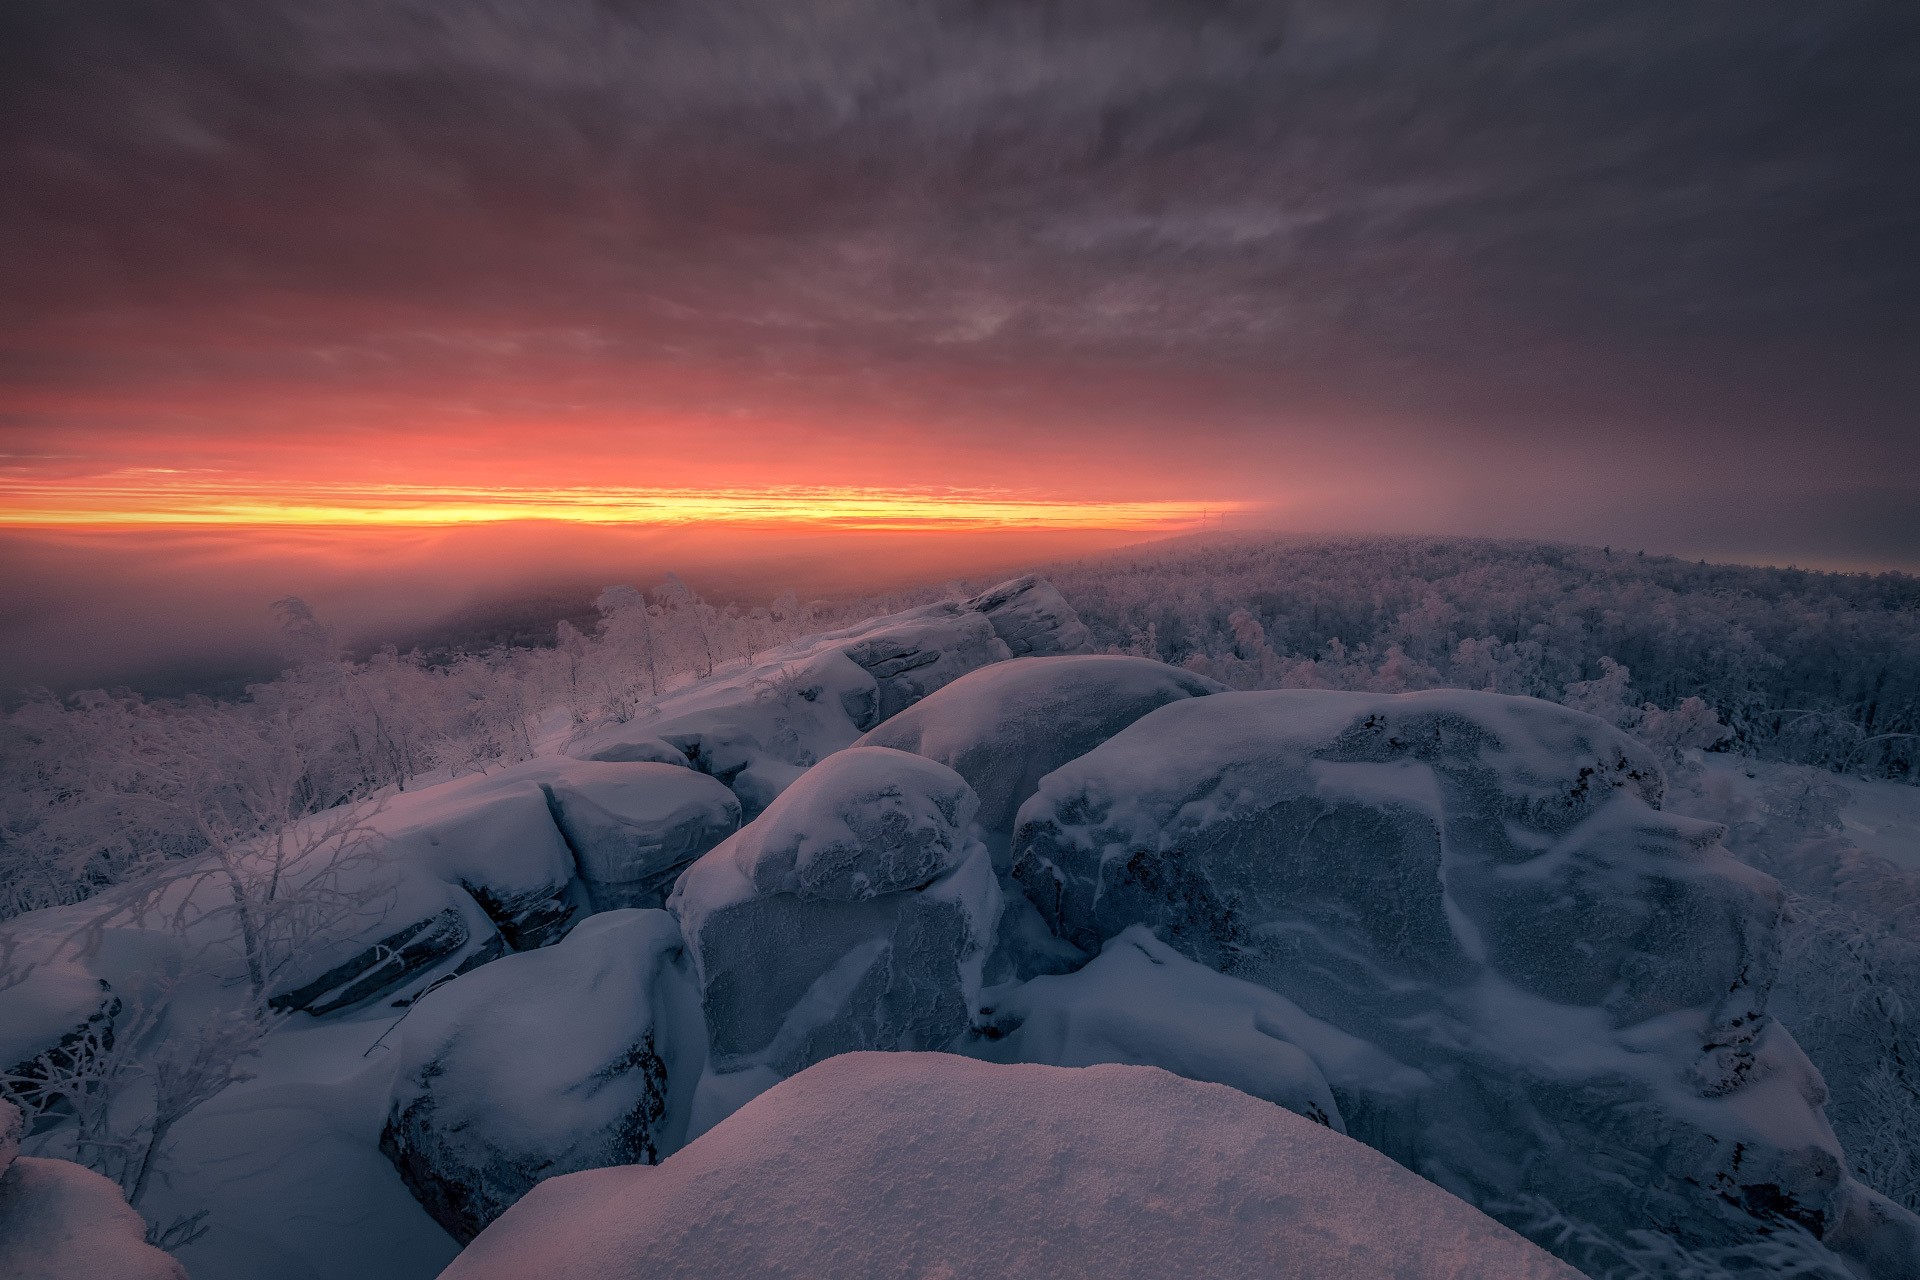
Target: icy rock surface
1006 726
1032 618
577 1056
1483 889
916 1165
634 827
60 1221
853 914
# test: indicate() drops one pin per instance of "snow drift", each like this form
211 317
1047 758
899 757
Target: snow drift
61 1221
916 1165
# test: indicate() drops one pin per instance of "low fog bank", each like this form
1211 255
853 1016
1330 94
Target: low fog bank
174 611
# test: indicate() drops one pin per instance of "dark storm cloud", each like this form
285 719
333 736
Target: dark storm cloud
1659 217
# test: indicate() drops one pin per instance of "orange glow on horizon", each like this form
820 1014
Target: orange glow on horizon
161 498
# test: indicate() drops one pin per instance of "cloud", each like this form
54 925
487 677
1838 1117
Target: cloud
1230 246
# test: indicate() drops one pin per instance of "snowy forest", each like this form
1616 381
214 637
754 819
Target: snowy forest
1782 705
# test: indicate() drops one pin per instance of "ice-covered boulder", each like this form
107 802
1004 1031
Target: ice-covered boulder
853 914
501 846
576 1056
61 1221
1482 888
634 827
915 1165
1006 726
1032 618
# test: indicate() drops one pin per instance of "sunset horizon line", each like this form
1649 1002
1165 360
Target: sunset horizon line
201 502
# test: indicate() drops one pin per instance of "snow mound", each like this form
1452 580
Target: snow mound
1482 889
577 1056
1144 1003
633 827
915 1165
60 1221
1006 726
853 914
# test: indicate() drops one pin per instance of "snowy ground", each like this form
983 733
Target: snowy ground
1882 818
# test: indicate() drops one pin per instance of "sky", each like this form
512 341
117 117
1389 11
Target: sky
288 277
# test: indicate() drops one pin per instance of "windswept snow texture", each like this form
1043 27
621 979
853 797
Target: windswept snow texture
61 1221
634 827
1006 726
581 1055
917 1165
1481 888
1142 1002
854 914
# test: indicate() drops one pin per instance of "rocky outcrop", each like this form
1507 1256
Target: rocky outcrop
634 827
854 914
577 1056
1483 889
1032 618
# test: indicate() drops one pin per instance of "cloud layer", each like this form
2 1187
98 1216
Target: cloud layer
1606 260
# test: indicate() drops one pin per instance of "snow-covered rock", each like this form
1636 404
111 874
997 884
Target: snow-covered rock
412 928
758 729
633 827
501 846
1481 888
853 914
61 1221
914 1165
576 1056
1144 1003
1006 726
1032 618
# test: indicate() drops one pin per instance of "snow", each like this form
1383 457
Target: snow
580 1055
502 847
62 1221
758 728
1480 887
633 827
1457 927
289 1167
1142 1002
1006 726
916 1165
854 913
